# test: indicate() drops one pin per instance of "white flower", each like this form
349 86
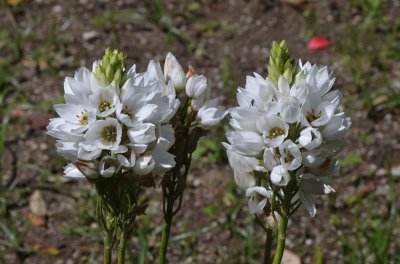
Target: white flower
243 118
104 100
289 109
280 176
173 71
210 113
144 165
290 155
270 160
105 134
282 128
164 161
77 117
274 130
71 171
316 112
247 143
310 138
336 127
108 166
258 197
142 133
196 86
166 138
242 167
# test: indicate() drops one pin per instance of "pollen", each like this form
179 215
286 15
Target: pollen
109 134
276 132
104 106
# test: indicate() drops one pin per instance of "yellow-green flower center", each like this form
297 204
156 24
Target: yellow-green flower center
276 132
104 106
109 134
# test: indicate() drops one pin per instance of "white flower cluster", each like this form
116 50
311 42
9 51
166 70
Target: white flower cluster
286 132
124 125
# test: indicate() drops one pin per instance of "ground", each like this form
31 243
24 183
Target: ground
46 218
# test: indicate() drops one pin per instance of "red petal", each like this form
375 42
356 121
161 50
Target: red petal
318 43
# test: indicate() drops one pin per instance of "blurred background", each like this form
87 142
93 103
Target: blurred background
46 218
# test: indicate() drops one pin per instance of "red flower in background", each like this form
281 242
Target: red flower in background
317 42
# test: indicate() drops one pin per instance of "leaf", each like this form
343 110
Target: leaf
318 42
38 220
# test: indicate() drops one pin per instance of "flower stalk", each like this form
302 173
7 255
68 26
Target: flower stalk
122 246
195 114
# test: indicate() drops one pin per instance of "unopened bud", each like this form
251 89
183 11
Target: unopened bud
280 63
111 70
173 71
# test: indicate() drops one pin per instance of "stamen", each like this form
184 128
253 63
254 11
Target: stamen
83 119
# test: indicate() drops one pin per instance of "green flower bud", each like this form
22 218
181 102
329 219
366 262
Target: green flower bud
111 70
281 64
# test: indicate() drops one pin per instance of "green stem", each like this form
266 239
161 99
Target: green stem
280 248
164 239
108 241
268 245
122 246
281 240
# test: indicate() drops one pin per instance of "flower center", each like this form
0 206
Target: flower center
311 116
83 119
128 112
104 106
288 157
276 132
109 134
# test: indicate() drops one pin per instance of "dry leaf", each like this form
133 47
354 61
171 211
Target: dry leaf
52 251
14 2
38 220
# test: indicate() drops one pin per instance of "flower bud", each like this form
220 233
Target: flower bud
173 71
196 86
280 63
111 70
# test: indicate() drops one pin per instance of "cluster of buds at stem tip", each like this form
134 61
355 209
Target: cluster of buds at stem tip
286 131
280 63
111 69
